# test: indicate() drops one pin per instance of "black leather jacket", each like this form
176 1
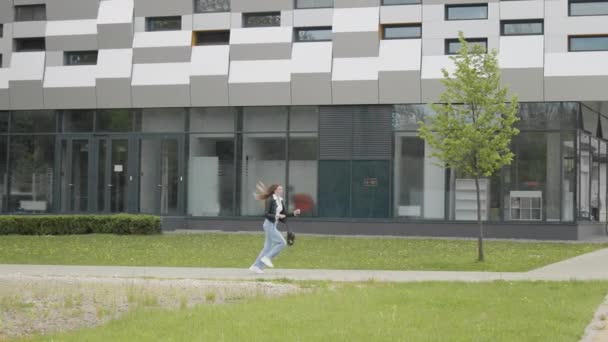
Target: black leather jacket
271 209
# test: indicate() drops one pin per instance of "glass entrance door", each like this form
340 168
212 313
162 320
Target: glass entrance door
114 174
74 165
160 175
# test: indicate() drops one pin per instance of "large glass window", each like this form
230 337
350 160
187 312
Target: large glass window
588 7
77 120
36 121
204 6
588 43
400 2
80 58
314 3
603 177
30 44
521 27
164 23
452 46
3 122
212 119
267 19
466 11
114 120
313 34
3 174
221 37
30 13
569 175
32 160
161 120
401 31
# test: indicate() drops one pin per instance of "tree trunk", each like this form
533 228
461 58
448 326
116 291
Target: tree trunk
479 222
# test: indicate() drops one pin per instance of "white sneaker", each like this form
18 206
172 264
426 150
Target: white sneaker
256 269
266 261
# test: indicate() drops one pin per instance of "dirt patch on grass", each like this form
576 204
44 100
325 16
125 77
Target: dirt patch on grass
43 305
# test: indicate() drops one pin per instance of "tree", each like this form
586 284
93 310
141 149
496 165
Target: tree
474 123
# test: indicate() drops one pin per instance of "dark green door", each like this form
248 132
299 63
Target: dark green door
370 186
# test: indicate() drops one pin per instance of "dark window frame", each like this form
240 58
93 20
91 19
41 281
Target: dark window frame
18 7
67 54
570 2
585 36
149 19
197 41
18 41
1 61
419 2
1 30
297 30
447 10
385 26
260 14
522 21
295 5
468 40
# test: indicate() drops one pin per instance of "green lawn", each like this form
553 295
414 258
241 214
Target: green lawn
501 311
239 250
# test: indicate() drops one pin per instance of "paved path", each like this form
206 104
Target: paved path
591 266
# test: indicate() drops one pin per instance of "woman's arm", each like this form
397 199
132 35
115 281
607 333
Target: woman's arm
271 209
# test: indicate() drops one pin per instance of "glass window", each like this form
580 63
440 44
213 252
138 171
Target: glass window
314 3
1 30
36 121
304 118
265 119
590 120
313 34
303 172
161 120
3 174
602 175
334 188
466 12
77 120
203 6
1 64
80 58
521 27
594 195
588 43
400 2
588 7
212 37
211 175
452 46
268 19
540 115
164 23
114 120
569 176
4 122
32 160
262 159
401 31
212 119
30 13
30 44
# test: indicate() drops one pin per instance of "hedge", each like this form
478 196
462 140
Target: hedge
79 224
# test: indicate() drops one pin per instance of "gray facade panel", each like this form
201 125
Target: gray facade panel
259 94
54 58
71 43
311 89
356 3
209 91
28 29
399 86
161 8
260 5
70 98
173 54
26 95
355 92
71 9
6 11
431 90
5 103
161 96
576 88
115 36
113 93
356 44
246 52
527 83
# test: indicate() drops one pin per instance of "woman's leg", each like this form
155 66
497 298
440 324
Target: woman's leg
278 242
267 244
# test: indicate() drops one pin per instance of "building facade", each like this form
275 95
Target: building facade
179 107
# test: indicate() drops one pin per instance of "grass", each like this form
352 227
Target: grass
499 311
239 250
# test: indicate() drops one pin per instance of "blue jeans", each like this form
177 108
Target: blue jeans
273 245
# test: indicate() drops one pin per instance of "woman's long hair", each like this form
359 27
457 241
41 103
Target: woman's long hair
262 192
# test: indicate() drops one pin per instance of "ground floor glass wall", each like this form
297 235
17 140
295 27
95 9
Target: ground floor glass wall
338 162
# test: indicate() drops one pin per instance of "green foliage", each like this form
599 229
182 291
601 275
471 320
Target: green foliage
79 224
473 126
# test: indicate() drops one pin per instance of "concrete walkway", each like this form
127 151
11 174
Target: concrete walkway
591 266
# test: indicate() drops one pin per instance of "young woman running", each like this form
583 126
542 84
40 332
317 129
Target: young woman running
275 213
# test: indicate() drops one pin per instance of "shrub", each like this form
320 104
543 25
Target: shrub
79 224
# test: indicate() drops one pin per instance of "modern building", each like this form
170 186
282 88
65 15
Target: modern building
179 107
